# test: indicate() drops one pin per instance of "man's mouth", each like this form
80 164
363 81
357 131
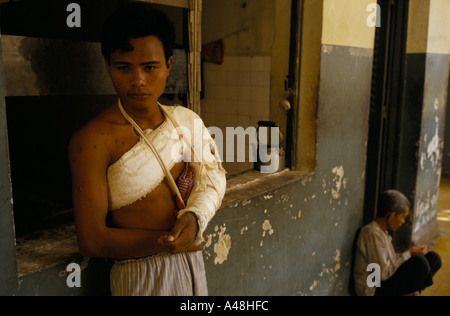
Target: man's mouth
139 95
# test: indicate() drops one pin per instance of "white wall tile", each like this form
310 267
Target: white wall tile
237 93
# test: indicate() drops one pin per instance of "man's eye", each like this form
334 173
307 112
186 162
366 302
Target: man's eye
150 68
122 68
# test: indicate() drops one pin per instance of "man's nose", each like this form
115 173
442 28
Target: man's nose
138 79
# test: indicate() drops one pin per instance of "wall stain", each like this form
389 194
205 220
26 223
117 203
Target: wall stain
434 147
339 182
267 227
337 260
313 286
222 246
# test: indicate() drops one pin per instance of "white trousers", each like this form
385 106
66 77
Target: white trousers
161 275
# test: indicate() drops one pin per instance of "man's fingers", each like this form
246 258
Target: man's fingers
179 245
176 231
182 236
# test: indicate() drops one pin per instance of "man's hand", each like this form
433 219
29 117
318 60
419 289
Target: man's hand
182 236
420 250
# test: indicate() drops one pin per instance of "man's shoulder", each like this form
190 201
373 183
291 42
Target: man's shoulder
369 228
366 231
97 131
372 231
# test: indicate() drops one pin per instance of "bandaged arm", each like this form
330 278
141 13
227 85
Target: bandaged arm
210 183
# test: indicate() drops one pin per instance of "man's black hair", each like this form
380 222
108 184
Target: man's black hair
136 20
392 201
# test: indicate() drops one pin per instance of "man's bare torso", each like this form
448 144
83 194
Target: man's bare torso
156 211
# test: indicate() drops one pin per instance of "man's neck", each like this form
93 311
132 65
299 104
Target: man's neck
382 222
148 117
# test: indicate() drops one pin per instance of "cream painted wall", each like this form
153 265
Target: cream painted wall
417 26
308 86
280 62
439 27
345 23
428 27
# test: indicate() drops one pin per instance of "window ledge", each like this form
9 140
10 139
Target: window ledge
46 249
254 183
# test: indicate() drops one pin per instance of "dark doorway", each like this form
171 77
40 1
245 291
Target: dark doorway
386 136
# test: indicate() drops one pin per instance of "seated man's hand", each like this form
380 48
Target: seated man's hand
420 250
182 236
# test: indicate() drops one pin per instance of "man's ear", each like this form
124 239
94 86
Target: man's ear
391 215
169 64
108 67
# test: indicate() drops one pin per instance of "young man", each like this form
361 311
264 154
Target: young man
406 274
125 207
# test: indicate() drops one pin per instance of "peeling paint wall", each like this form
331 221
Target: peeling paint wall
425 111
432 141
295 240
446 151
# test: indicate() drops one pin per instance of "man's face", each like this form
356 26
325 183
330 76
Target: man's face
396 221
139 76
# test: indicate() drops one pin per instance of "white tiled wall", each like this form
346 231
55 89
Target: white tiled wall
237 93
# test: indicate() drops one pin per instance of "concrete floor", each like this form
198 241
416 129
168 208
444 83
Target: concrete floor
441 242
